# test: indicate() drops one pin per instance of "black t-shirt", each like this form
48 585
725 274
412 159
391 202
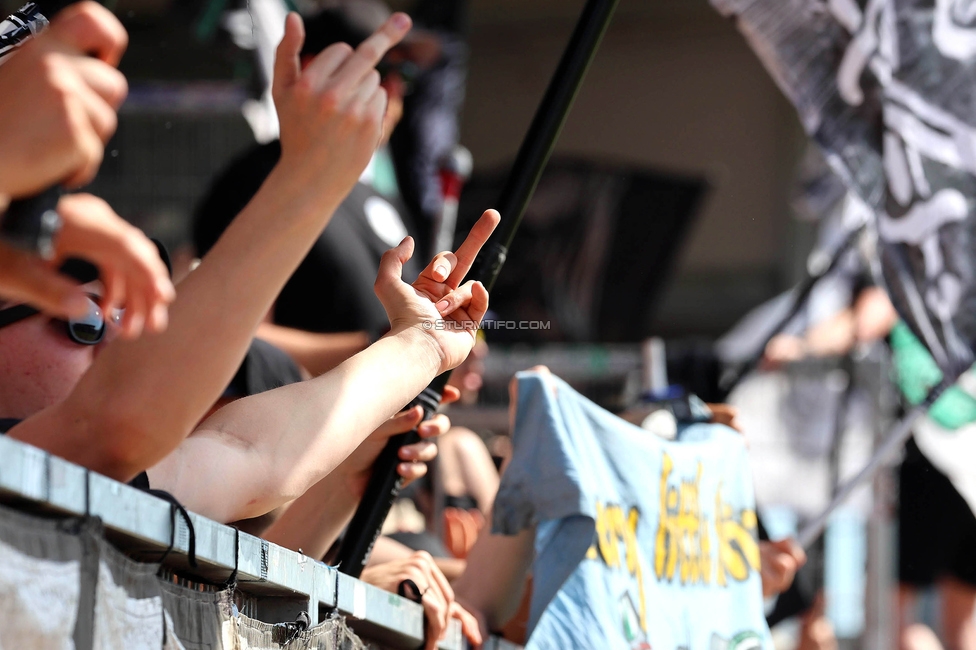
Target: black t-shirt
332 289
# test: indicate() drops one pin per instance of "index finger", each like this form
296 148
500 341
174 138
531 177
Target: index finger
471 246
92 30
371 51
445 586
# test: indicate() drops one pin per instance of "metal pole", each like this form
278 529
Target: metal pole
385 484
732 378
891 443
880 621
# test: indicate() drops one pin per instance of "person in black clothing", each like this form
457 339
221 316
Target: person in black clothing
332 289
936 538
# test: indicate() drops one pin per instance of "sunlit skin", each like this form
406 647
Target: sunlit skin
40 364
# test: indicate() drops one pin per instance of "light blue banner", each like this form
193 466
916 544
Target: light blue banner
641 543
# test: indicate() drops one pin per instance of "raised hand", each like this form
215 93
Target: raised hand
331 113
437 304
58 98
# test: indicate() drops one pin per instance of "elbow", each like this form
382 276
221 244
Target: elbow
265 498
266 492
122 440
126 450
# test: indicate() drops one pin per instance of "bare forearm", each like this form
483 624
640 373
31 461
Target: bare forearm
141 398
493 582
264 450
318 353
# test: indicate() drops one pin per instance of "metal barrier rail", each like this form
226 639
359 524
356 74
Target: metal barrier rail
568 361
282 582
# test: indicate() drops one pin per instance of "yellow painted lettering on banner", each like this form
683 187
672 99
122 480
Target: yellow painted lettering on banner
738 545
612 528
682 546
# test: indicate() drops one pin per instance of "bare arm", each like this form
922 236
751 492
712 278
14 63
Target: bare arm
317 352
314 521
282 442
262 451
493 582
498 565
140 399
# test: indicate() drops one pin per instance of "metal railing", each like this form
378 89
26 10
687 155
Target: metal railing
281 583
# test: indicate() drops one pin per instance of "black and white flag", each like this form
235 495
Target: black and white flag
888 89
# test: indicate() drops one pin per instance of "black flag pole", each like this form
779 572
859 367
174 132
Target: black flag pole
801 293
892 442
385 484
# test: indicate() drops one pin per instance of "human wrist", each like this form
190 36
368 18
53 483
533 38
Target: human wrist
416 337
301 185
350 485
308 179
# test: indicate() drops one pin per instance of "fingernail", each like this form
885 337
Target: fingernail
440 271
442 305
401 20
406 454
160 318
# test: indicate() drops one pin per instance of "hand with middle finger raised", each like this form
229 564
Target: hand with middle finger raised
331 112
447 312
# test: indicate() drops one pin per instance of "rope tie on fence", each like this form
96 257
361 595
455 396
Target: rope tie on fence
177 507
285 633
231 582
408 589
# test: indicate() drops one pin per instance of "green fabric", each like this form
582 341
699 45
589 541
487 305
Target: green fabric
916 373
384 174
